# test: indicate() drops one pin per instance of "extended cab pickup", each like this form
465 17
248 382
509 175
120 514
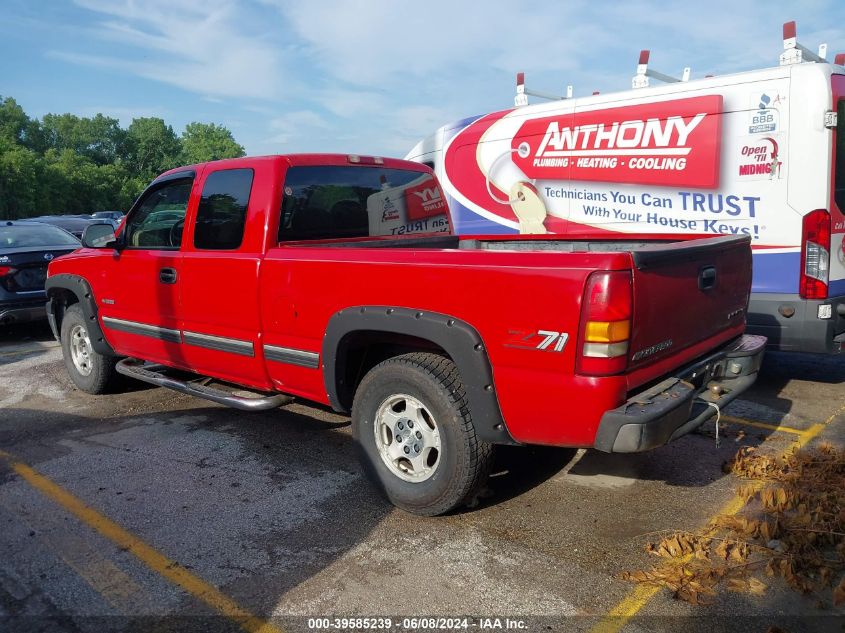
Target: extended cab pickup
337 279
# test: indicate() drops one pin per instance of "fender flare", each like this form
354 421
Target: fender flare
81 289
457 338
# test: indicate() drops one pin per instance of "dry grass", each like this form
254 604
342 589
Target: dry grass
792 527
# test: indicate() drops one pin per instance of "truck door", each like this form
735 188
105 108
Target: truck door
139 304
219 276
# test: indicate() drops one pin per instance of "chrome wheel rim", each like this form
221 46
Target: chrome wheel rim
80 350
407 438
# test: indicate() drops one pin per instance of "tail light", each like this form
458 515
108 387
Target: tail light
605 324
6 281
815 255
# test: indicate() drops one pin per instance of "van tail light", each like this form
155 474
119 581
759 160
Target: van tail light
7 270
815 255
605 324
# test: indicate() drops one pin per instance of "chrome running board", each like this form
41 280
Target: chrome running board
154 374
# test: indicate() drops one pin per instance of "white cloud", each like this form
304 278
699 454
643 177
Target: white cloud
346 102
374 43
124 114
206 47
375 77
298 125
442 43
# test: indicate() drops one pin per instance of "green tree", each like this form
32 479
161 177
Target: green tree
20 180
65 163
13 120
99 138
152 147
207 141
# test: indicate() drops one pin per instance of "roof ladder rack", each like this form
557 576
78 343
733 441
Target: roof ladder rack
795 53
640 80
522 93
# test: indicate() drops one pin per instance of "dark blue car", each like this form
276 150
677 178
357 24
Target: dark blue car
26 248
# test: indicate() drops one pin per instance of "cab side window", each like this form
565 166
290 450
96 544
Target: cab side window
156 223
221 217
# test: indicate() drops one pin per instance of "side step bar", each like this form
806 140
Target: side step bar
154 374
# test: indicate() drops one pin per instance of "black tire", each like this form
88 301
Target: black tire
102 368
463 461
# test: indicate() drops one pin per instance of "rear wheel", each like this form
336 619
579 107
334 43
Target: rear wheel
89 370
413 426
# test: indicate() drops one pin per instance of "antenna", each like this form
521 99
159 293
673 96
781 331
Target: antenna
522 92
795 53
640 80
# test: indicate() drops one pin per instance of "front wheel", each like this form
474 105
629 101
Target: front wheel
412 424
89 370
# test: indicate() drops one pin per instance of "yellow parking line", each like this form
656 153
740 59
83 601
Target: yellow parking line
152 558
763 425
640 595
836 413
101 574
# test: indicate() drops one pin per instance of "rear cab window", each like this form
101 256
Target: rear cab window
352 202
221 216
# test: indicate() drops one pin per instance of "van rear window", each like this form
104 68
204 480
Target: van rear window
347 202
839 158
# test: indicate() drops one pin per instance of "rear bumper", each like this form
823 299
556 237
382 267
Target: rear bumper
22 312
679 404
802 330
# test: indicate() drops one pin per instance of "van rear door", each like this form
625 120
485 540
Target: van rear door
836 284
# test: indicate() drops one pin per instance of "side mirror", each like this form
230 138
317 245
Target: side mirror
99 235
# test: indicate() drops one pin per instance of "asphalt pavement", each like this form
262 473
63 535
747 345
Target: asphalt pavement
150 510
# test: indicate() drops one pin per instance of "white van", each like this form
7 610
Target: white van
760 153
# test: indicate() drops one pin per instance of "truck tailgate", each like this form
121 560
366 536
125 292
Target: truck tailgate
686 293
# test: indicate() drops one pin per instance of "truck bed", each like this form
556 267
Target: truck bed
647 248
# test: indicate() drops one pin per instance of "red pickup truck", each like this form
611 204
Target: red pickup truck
337 279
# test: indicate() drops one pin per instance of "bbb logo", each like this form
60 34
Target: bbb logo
765 118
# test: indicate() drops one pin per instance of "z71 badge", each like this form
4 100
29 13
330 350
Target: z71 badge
543 340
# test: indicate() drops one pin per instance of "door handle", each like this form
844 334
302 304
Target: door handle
167 275
707 278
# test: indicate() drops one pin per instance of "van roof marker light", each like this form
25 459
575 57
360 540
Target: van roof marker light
640 80
521 98
795 53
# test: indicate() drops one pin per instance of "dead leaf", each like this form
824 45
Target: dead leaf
756 587
796 531
839 593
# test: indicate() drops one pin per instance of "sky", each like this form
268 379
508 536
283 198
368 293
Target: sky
367 76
